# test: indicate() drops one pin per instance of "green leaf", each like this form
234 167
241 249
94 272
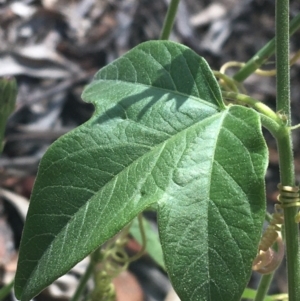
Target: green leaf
160 134
153 246
211 217
95 179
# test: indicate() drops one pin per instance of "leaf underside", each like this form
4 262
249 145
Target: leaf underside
160 134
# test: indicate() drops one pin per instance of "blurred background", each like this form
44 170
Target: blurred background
54 47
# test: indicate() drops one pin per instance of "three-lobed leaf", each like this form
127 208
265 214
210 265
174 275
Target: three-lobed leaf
160 134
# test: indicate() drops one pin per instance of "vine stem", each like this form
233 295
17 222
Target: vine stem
282 58
169 20
284 144
263 55
86 276
263 287
254 103
269 119
282 134
4 291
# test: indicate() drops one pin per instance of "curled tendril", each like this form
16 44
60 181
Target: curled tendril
260 72
227 82
289 197
104 288
273 230
268 259
230 85
113 260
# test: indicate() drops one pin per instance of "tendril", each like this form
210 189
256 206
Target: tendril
260 72
268 259
113 260
289 197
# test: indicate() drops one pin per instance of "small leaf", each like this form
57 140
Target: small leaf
97 178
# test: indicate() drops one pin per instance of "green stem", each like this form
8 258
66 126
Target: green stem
229 82
254 103
282 58
284 143
273 127
269 119
86 276
263 287
169 20
143 238
83 281
4 291
264 54
8 95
